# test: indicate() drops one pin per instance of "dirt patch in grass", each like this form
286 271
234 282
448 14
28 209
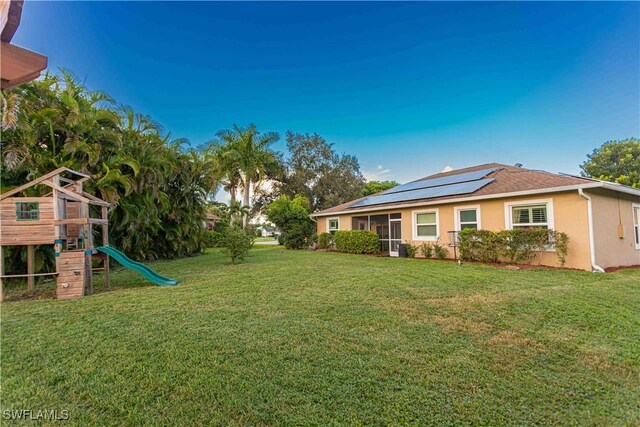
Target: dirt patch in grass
598 358
602 359
515 339
450 324
465 300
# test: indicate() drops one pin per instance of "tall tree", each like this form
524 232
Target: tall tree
157 188
373 187
216 152
316 171
247 156
615 161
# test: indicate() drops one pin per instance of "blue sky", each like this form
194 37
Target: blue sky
409 88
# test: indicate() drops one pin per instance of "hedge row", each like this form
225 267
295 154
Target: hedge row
517 246
357 242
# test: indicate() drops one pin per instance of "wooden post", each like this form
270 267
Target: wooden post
88 248
1 274
30 268
88 272
57 205
105 242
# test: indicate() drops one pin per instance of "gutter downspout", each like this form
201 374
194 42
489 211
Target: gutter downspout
594 266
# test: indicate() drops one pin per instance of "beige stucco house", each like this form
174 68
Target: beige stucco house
602 219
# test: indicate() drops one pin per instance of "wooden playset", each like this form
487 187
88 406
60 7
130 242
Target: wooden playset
62 218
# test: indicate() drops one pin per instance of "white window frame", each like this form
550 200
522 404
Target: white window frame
456 213
636 227
329 229
508 211
414 225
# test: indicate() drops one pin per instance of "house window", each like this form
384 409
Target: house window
27 211
425 225
636 224
530 216
468 217
333 225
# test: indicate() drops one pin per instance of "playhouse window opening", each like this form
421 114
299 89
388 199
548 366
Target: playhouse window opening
27 211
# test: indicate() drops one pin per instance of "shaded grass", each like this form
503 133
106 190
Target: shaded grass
293 337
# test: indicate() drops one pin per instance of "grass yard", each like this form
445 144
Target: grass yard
259 240
294 337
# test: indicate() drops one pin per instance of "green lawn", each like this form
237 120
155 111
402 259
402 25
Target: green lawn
264 239
294 337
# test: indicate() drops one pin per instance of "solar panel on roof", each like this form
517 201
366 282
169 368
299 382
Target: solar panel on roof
445 180
424 193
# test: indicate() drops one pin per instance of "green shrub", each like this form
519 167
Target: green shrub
236 244
480 245
439 250
325 241
516 246
426 249
561 241
521 243
213 239
466 244
357 242
298 235
411 250
292 218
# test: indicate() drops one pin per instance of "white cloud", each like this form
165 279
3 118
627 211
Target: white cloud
447 169
380 174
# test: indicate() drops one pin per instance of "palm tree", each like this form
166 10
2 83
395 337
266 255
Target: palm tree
157 189
221 165
237 209
247 156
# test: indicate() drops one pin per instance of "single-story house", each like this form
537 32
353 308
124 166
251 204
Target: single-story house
267 231
602 219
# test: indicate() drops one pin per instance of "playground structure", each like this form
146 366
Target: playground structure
62 218
65 218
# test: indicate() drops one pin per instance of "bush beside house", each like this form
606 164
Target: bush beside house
357 242
517 246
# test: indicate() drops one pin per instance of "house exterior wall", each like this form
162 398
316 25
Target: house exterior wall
26 232
569 214
610 210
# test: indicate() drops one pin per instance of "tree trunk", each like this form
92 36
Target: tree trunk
247 191
232 200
